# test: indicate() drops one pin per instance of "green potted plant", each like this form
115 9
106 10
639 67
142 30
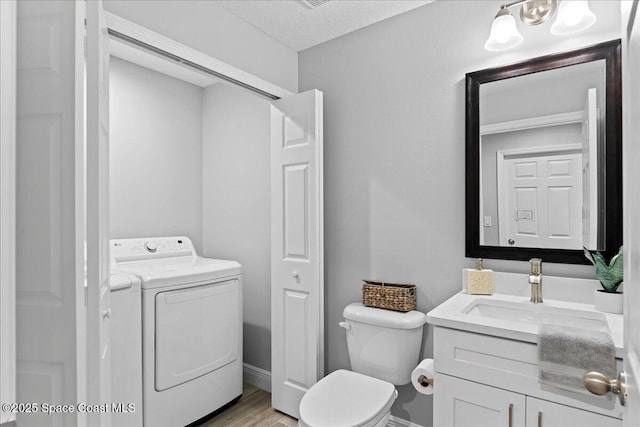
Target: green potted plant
610 275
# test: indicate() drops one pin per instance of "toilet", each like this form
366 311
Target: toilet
384 347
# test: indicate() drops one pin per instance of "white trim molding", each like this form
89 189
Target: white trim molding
400 422
140 35
8 206
532 123
257 377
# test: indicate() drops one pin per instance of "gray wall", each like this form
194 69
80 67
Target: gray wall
213 30
394 155
530 96
236 201
155 154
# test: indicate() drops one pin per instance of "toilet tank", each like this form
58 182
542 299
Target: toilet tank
383 344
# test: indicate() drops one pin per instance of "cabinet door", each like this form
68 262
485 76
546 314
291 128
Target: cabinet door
542 413
461 403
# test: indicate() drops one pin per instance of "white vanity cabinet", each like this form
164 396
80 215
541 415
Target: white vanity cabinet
463 403
483 380
542 413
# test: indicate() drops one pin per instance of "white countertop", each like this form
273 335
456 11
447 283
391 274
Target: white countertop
451 314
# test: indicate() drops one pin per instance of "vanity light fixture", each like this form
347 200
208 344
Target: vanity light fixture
573 16
504 33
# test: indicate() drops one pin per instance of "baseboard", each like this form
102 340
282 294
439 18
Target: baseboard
399 422
257 377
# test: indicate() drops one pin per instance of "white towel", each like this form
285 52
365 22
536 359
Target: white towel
565 354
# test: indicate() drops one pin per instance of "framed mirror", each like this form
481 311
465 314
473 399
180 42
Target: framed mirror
544 157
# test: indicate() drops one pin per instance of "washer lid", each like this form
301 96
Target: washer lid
176 271
346 398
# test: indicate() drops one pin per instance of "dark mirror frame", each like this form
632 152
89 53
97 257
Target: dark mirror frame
610 200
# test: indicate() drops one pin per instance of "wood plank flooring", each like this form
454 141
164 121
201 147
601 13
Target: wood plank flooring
253 409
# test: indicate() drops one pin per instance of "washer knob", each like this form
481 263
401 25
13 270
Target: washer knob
151 247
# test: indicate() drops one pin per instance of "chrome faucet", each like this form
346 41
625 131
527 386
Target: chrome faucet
535 280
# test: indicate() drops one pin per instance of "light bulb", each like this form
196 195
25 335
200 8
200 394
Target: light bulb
504 33
573 16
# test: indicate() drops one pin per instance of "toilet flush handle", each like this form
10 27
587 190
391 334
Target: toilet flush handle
345 325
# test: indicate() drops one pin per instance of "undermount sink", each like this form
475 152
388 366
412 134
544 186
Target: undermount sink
509 314
535 314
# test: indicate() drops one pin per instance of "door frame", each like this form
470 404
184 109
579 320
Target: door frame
131 37
500 159
8 20
631 135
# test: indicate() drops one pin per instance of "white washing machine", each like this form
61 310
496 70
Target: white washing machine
191 328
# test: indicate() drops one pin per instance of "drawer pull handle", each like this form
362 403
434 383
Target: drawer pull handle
511 415
539 418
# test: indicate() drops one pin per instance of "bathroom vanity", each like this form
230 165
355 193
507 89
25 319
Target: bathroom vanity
486 357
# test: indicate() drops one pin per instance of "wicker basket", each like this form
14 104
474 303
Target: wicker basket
391 296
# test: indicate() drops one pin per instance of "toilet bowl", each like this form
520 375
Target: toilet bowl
346 398
384 347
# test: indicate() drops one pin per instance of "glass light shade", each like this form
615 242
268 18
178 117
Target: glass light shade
573 16
504 33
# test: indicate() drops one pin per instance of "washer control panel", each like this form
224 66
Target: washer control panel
124 250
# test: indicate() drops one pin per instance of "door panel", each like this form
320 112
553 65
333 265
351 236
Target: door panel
542 200
461 403
296 211
590 170
49 283
542 413
7 207
297 288
631 225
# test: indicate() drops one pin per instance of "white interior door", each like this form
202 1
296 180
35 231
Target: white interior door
542 201
97 200
7 207
297 284
590 170
49 261
631 226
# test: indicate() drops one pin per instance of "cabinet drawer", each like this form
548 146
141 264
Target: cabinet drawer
541 413
508 364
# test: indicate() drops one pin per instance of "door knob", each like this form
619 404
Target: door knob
106 314
511 241
600 384
295 275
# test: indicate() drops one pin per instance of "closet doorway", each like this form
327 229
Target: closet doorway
200 148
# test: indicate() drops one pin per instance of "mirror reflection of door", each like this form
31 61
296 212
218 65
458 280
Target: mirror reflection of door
540 198
590 136
546 174
530 118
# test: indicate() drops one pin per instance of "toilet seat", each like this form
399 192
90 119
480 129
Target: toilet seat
345 398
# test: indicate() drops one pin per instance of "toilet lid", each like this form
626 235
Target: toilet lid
345 398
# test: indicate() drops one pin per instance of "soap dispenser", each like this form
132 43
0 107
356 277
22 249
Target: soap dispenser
478 281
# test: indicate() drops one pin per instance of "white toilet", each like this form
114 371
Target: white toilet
384 347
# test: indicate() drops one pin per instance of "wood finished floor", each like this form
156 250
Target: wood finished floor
253 409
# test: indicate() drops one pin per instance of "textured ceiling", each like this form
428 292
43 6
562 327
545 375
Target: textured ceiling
298 25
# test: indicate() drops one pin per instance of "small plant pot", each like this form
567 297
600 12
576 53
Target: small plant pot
608 302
